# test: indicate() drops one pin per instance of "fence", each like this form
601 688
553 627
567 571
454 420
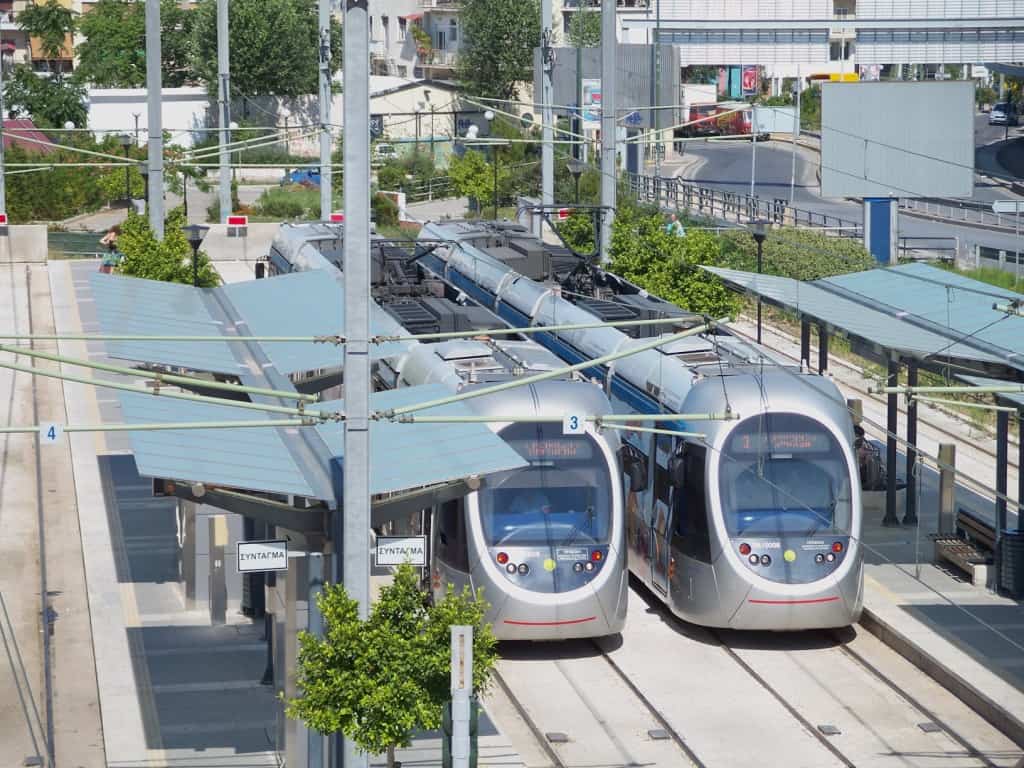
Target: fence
75 245
730 206
960 210
439 187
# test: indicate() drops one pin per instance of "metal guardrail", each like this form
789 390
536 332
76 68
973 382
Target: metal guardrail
76 245
928 248
730 206
960 211
439 187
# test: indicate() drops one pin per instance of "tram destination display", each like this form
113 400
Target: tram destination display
779 442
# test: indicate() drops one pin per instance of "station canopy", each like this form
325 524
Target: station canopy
299 304
914 310
287 460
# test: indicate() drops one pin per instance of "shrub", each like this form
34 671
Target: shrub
169 260
291 202
385 210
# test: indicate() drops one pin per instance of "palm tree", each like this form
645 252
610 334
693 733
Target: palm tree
50 25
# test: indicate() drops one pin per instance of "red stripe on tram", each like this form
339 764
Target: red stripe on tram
549 623
794 602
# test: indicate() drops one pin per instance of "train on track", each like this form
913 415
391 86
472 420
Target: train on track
753 524
545 542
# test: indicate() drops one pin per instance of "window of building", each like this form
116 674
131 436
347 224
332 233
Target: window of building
401 28
453 31
387 30
840 50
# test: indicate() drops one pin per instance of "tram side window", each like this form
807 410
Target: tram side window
451 535
662 477
692 508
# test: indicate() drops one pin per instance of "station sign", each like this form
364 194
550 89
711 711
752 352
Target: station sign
395 550
261 556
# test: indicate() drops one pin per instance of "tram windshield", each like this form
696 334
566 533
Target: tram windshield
784 474
562 498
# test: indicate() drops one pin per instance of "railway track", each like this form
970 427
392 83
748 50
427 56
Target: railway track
801 699
602 716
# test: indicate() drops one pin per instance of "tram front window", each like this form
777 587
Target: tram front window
784 475
562 498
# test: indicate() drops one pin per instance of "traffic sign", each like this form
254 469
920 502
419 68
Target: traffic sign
563 214
238 221
395 550
337 218
260 556
3 219
1008 206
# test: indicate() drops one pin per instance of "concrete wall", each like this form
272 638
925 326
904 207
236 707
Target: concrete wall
255 245
23 242
185 111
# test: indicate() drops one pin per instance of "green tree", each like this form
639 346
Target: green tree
169 260
50 102
50 24
667 265
274 46
54 193
497 53
112 184
584 29
113 54
377 681
801 254
473 176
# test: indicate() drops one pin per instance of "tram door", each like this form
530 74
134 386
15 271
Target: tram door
661 523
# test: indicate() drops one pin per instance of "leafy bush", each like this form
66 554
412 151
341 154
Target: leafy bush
385 210
213 209
169 260
798 253
290 202
55 193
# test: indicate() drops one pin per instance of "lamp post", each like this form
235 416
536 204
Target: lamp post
489 117
126 141
195 234
238 155
759 231
576 168
144 173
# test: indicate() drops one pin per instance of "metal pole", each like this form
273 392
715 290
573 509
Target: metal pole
155 132
462 691
3 185
910 517
760 255
1016 243
195 266
655 82
753 151
577 124
1002 459
892 414
355 565
547 152
608 102
947 487
223 99
326 203
495 159
796 136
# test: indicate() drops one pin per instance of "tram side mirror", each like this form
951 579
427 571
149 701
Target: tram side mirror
677 470
635 467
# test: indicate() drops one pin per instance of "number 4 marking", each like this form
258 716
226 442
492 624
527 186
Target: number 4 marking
51 434
574 424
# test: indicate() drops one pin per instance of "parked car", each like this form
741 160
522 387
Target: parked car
308 176
382 153
1003 113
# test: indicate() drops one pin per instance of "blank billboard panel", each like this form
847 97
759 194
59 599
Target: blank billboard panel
897 139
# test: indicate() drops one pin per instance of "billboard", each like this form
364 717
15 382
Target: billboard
897 139
592 103
749 83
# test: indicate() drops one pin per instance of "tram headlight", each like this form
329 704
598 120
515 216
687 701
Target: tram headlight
524 569
819 558
766 559
511 567
830 557
596 556
589 566
577 567
837 547
754 559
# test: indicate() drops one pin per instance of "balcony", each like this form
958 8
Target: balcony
451 5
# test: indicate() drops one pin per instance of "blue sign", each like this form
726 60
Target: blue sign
634 118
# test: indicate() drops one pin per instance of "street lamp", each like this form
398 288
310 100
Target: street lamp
195 234
759 231
144 173
576 168
489 117
233 126
126 141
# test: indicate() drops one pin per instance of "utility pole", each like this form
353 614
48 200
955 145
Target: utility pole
223 100
3 172
155 131
655 82
608 100
326 203
547 151
796 135
352 561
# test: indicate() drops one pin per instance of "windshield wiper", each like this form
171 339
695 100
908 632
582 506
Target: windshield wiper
578 527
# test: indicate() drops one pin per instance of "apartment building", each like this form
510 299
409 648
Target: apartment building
395 48
17 47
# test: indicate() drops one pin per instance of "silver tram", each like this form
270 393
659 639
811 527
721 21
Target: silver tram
755 526
546 542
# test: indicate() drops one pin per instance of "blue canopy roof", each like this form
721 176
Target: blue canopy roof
300 304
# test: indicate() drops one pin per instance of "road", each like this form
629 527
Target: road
726 165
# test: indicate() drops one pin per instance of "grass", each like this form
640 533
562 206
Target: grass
991 275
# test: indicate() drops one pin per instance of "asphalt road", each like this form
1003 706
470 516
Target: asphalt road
726 165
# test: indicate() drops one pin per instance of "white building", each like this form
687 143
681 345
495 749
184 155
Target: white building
826 36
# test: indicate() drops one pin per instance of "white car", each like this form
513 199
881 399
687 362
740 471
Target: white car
383 153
